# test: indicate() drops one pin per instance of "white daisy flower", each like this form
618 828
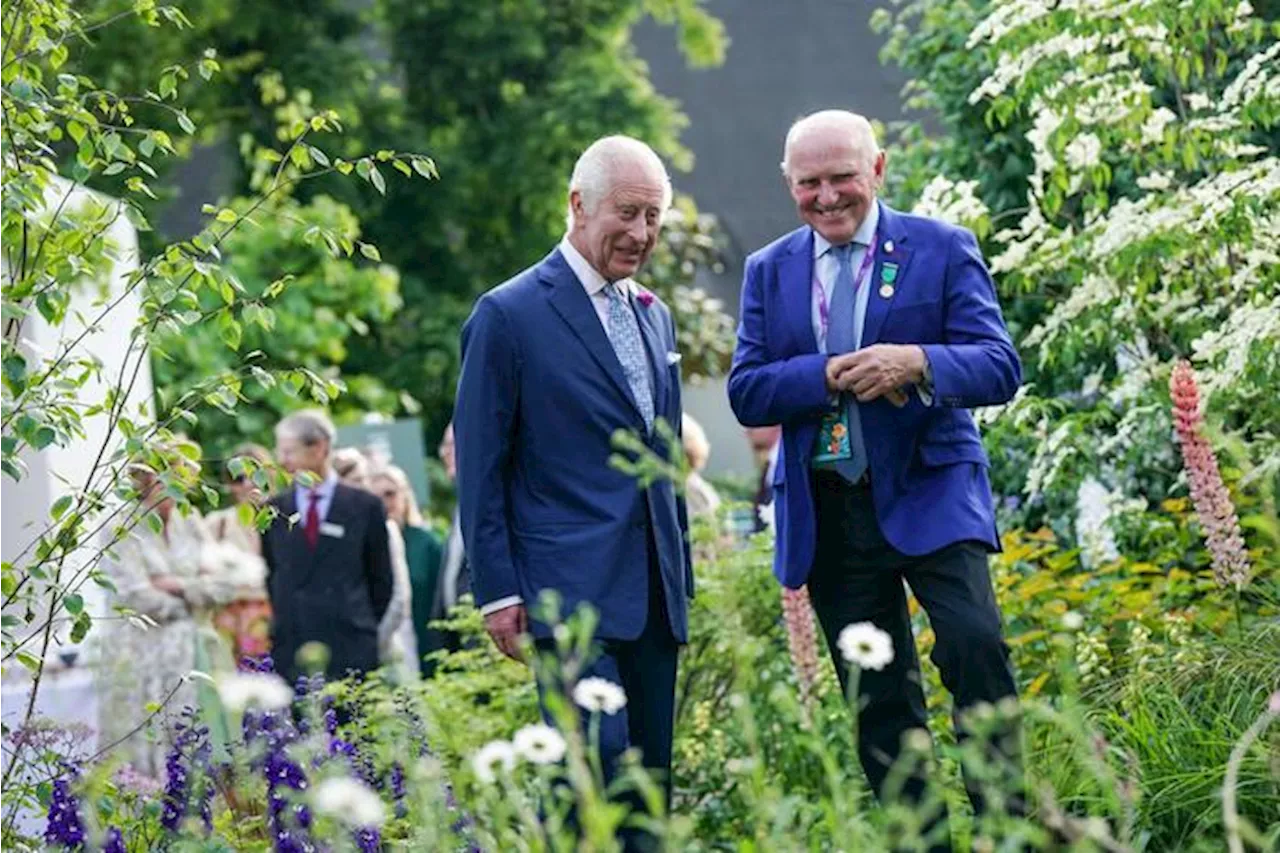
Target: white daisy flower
865 646
598 694
539 743
1072 621
262 690
494 757
349 801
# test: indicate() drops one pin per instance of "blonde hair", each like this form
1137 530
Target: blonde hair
394 473
696 447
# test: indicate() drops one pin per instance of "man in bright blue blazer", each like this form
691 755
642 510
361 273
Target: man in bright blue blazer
554 362
867 335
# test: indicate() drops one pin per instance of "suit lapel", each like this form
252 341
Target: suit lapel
570 300
888 276
795 277
657 353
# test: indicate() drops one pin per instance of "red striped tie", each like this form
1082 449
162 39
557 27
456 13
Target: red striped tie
312 528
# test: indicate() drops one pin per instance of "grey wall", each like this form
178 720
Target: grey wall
785 59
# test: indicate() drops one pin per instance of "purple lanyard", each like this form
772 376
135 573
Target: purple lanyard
824 312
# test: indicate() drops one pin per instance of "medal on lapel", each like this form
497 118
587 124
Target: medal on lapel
888 275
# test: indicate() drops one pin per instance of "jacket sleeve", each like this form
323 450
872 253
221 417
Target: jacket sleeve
379 575
682 503
765 390
484 424
977 364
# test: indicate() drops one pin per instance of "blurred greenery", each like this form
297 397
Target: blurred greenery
503 97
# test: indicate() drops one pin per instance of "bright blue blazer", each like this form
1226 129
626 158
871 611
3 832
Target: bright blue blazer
540 395
928 469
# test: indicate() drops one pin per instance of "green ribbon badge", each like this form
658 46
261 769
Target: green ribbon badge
889 273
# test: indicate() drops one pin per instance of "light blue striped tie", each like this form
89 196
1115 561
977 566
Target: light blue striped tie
624 334
840 339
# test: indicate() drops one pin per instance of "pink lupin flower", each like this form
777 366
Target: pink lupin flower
801 639
1217 514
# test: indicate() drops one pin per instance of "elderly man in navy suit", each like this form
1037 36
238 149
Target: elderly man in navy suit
555 361
868 334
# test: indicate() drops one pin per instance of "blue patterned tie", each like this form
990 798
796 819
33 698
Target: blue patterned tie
840 339
624 334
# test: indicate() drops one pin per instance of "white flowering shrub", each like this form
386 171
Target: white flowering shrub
1152 212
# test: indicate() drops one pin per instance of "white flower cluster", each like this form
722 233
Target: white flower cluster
1257 79
1096 507
952 202
1014 67
599 694
349 801
262 690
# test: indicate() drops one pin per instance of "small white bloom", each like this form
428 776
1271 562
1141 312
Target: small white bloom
539 743
1072 621
1084 152
241 690
349 801
494 757
866 646
1197 102
598 694
765 512
1157 181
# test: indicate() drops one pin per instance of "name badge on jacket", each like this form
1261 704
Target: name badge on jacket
337 531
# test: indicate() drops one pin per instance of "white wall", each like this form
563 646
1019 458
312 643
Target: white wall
55 471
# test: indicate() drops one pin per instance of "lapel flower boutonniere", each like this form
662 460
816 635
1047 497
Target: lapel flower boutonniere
644 297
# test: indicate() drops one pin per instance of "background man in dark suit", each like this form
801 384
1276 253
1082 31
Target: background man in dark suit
553 362
328 569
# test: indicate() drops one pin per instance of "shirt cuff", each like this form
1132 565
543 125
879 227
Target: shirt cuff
500 604
924 388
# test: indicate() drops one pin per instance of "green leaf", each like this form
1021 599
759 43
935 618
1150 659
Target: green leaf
185 122
60 507
370 251
43 438
403 167
425 167
343 166
80 629
74 603
28 660
227 215
379 183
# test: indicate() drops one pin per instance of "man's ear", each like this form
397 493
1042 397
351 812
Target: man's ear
577 206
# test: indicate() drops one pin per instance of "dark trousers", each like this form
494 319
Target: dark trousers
645 668
858 577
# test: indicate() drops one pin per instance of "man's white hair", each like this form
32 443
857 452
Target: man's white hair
838 121
594 173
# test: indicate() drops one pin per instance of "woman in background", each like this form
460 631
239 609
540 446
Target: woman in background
700 497
396 642
423 551
164 596
246 621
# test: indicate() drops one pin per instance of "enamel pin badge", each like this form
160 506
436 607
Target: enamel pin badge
888 275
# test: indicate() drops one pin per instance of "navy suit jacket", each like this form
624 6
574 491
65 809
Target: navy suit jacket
928 469
540 396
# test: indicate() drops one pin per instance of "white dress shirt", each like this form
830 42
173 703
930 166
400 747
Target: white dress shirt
593 281
324 489
826 266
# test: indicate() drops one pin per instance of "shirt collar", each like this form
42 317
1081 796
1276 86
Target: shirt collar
863 236
587 274
324 488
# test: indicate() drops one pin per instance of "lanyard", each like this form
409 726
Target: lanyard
824 311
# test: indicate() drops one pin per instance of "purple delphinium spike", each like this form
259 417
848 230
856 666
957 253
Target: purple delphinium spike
367 839
114 842
65 827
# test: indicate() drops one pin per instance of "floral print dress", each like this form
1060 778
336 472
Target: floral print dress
149 648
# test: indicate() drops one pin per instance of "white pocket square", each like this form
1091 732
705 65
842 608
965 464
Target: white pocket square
674 358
